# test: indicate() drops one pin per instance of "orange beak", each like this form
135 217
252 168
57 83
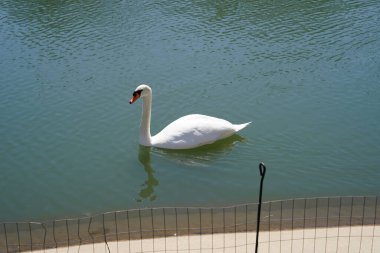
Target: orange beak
134 98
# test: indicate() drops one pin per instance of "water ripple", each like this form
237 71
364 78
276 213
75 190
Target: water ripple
305 72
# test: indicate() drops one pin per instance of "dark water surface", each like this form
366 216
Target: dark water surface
306 73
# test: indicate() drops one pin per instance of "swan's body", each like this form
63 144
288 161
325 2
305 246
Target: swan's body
187 132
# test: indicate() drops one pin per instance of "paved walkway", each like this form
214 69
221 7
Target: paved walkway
332 240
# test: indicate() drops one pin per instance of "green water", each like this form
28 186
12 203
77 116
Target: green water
306 73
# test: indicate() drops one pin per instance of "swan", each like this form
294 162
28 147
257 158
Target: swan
187 132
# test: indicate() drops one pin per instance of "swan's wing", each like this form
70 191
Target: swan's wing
193 131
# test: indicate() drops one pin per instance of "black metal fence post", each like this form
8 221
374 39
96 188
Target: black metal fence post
262 174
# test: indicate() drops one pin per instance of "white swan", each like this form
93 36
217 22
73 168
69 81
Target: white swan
187 132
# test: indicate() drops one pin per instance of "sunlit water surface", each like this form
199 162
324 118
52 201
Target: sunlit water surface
306 73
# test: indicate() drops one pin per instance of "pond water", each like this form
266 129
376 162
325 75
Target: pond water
306 73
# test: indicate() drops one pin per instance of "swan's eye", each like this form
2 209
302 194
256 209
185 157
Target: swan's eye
137 92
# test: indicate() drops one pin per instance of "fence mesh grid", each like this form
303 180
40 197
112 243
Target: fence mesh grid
352 219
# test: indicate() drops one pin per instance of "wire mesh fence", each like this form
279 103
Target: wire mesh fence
332 224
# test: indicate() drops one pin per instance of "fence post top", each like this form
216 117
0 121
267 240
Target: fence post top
262 169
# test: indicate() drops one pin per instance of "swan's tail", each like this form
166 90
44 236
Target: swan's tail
241 126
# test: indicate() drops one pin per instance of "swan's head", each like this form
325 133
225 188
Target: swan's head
142 90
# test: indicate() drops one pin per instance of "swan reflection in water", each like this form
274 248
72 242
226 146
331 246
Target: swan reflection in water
199 157
147 190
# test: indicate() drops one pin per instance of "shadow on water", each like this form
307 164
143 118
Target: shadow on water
199 157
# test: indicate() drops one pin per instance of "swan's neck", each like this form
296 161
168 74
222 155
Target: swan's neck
145 137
